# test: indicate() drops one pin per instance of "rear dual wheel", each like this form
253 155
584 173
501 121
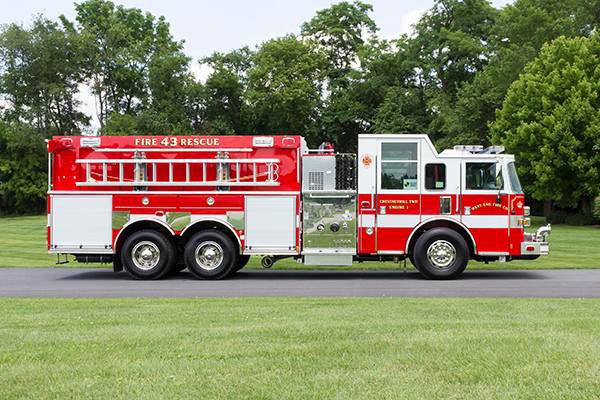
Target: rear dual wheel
211 255
148 254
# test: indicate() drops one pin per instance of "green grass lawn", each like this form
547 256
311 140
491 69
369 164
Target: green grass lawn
23 244
298 348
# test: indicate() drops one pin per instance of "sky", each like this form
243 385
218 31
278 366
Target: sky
225 25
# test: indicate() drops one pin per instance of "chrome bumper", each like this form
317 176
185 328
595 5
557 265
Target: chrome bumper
535 243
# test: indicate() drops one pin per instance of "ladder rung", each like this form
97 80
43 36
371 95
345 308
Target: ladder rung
178 183
182 161
103 178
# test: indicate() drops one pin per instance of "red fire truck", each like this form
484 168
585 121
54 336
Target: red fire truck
155 204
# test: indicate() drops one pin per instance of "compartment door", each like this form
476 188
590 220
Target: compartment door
271 224
80 224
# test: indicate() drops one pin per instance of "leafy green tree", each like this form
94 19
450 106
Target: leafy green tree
171 84
123 48
39 77
522 28
224 101
551 119
450 42
341 32
23 175
345 35
403 111
450 46
284 88
401 102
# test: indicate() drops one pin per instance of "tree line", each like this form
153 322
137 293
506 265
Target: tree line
525 76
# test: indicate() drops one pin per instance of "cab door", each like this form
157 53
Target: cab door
398 194
485 205
441 192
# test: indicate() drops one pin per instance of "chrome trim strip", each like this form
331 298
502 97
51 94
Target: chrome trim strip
149 219
80 251
270 253
220 221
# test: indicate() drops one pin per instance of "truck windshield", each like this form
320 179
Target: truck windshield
514 179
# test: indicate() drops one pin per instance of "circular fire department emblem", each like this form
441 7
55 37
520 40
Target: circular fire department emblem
367 160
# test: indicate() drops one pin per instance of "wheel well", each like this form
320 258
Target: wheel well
138 226
442 223
211 225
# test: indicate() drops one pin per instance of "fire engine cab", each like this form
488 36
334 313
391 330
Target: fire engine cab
156 204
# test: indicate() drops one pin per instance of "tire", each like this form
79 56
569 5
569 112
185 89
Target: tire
441 253
210 255
148 254
242 261
178 268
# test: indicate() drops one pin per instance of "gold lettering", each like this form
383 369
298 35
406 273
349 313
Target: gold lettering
398 201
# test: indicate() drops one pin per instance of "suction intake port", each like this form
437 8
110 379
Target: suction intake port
267 262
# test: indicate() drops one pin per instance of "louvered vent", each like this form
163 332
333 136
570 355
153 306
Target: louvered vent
315 180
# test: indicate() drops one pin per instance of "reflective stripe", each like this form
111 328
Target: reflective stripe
485 221
367 221
398 221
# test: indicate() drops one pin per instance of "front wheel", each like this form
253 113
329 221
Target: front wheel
242 261
210 255
148 254
441 254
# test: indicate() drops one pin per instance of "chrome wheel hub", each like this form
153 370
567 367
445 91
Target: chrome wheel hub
145 255
209 255
441 254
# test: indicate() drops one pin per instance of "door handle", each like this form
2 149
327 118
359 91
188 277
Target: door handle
457 199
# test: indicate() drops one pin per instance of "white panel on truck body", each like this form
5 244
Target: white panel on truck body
270 224
81 223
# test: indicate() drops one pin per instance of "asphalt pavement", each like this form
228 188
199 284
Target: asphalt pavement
104 283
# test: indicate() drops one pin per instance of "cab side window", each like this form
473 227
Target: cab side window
435 176
399 166
484 176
